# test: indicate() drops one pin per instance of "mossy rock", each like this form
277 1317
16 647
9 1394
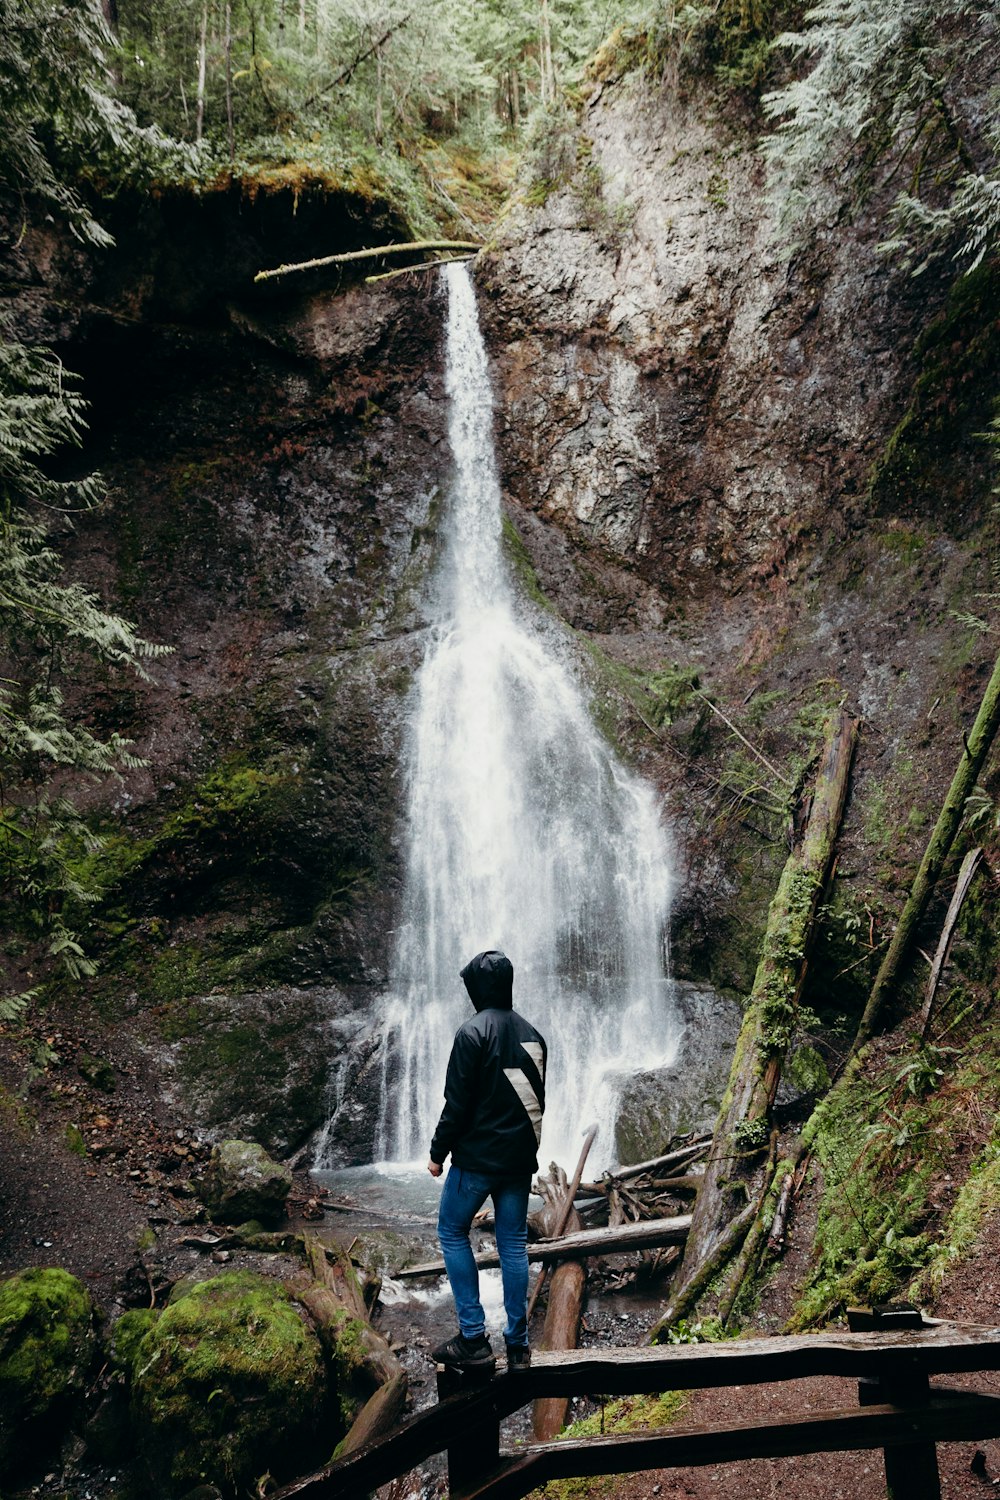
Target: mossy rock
242 1182
126 1336
97 1072
46 1348
230 1383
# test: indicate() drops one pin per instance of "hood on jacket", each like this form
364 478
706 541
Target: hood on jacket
489 979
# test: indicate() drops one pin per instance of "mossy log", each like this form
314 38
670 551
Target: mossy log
371 254
743 1127
975 748
357 1351
377 1418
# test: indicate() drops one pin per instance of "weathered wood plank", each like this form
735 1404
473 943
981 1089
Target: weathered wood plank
944 1348
646 1235
945 1418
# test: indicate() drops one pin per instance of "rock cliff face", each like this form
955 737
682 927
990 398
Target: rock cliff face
675 389
750 474
274 461
720 465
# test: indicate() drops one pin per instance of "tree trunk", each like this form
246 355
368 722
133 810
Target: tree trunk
974 752
229 80
562 1331
966 875
199 119
743 1127
547 71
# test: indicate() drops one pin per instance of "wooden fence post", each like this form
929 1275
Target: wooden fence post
474 1449
911 1471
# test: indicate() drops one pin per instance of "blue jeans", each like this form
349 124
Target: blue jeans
463 1196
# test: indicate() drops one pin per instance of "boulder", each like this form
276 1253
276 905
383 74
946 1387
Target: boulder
663 1102
242 1182
46 1347
229 1384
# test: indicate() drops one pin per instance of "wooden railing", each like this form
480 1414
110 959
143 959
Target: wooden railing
892 1354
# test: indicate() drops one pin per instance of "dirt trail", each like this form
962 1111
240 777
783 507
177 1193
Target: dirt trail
971 1294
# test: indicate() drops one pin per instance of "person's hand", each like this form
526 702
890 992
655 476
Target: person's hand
435 1168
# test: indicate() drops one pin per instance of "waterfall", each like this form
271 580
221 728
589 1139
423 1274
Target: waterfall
523 830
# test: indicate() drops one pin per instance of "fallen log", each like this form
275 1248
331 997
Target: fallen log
975 748
646 1235
966 875
371 254
776 1235
743 1128
562 1217
566 1291
336 1302
378 1417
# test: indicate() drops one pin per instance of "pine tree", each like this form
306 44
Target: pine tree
878 104
56 110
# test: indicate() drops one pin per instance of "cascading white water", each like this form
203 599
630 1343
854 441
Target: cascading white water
524 832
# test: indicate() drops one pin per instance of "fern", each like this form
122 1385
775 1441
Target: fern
56 108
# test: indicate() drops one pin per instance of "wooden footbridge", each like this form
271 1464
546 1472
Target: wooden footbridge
892 1352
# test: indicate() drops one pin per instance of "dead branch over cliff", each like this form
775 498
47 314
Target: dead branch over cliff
410 247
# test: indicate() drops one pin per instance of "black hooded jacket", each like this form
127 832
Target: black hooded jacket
494 1090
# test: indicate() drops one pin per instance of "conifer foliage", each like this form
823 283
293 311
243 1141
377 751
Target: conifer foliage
55 112
877 105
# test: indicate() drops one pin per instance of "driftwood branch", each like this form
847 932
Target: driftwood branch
759 754
646 1235
975 748
424 265
373 253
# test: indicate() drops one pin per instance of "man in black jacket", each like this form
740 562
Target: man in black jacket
491 1123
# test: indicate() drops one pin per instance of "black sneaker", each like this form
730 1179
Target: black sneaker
518 1357
461 1353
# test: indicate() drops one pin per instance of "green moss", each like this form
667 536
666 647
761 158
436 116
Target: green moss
46 1346
75 1141
629 1414
228 1384
519 558
978 1198
807 1072
881 1143
126 1336
953 399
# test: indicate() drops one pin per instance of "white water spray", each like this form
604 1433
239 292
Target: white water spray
524 832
